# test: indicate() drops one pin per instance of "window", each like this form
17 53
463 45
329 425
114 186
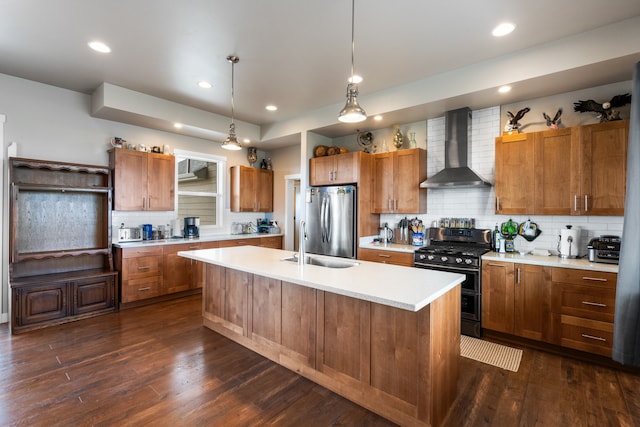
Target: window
200 184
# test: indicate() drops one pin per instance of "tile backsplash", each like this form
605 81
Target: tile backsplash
478 203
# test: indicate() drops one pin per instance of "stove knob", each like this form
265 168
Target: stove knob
431 257
421 256
444 259
458 260
468 261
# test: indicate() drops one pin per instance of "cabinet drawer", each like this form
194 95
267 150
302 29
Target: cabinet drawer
142 267
239 242
141 251
174 249
586 335
590 302
137 289
271 242
584 277
386 257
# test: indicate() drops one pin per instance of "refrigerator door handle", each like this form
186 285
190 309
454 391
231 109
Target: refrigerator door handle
327 219
323 205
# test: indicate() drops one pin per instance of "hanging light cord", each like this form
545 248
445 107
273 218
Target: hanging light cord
353 42
233 60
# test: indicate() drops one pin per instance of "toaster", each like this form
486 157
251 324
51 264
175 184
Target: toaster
605 249
129 234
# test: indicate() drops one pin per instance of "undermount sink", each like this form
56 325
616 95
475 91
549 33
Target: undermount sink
323 262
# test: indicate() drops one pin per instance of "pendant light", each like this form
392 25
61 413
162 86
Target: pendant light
352 112
231 143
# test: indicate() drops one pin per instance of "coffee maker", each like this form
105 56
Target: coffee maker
191 227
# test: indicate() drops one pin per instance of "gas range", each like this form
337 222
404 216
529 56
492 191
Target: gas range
458 247
459 250
450 255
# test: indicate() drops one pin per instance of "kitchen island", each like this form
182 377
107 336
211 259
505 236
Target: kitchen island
383 336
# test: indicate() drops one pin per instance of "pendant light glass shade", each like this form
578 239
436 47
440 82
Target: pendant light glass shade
231 143
352 111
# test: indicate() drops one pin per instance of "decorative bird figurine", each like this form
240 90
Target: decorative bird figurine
555 122
513 123
605 110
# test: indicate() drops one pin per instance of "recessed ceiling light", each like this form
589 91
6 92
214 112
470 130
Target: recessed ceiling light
504 89
177 125
503 29
355 79
377 118
99 47
204 85
271 108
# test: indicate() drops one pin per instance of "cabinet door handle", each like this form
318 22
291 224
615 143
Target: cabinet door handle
497 204
595 304
395 205
144 203
586 203
194 247
575 203
594 279
384 256
518 279
146 288
144 268
149 202
592 337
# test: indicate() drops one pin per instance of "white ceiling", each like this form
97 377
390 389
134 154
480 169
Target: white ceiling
294 54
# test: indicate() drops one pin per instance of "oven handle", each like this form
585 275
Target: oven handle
446 268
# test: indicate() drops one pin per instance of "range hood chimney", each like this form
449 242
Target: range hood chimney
457 151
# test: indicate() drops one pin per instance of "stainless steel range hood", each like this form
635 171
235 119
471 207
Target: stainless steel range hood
457 146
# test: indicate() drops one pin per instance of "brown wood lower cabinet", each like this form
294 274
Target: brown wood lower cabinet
148 273
40 302
400 364
386 257
572 308
584 306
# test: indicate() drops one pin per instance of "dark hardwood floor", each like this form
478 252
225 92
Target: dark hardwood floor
156 365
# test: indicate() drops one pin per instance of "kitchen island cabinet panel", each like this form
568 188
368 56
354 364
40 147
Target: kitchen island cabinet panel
401 364
299 324
266 306
343 337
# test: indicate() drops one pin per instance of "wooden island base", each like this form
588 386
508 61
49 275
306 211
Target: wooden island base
400 364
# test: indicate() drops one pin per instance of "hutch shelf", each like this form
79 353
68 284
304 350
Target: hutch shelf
60 259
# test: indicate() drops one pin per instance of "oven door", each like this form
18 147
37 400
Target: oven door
471 281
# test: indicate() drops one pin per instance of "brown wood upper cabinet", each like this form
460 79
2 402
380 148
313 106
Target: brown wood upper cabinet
396 181
251 189
142 181
336 169
573 171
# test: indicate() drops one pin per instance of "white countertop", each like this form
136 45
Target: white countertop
407 288
179 240
368 243
551 261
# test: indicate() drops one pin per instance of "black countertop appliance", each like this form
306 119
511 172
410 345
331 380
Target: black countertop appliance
191 227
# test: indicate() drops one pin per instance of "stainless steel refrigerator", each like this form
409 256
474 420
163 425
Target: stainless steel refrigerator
331 221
